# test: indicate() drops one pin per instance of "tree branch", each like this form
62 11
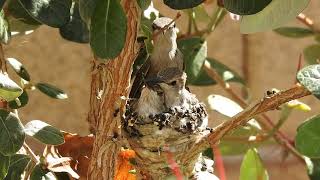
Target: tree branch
266 104
110 81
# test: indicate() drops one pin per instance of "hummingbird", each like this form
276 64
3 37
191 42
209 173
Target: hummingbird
165 53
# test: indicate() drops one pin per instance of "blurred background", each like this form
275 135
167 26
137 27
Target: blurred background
271 59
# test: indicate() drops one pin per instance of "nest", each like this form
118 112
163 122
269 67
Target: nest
174 132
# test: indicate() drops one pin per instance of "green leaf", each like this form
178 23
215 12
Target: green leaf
317 37
4 165
140 59
194 51
44 132
313 167
51 91
19 68
54 13
41 174
11 133
5 33
108 29
17 11
201 14
224 105
21 102
86 8
245 7
9 90
2 3
18 163
182 4
312 54
227 74
309 77
252 167
144 4
294 32
277 13
208 153
76 30
308 137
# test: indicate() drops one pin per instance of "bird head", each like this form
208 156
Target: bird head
164 30
169 84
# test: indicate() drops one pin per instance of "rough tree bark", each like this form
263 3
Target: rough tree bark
110 81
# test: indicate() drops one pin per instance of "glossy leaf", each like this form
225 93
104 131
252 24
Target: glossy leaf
18 164
76 29
4 165
312 54
223 105
86 9
54 13
227 74
108 29
309 77
252 167
308 137
313 167
245 7
20 102
182 4
9 90
194 51
19 68
143 4
11 133
294 32
41 174
44 132
5 33
276 14
51 91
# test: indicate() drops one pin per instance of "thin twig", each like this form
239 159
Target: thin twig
30 152
265 105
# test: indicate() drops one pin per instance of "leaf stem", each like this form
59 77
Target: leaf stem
31 153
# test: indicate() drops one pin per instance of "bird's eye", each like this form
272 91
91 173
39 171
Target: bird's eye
154 27
173 83
174 25
160 93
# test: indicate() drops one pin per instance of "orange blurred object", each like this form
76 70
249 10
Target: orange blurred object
124 166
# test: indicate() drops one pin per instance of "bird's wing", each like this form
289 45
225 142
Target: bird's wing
179 57
138 80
